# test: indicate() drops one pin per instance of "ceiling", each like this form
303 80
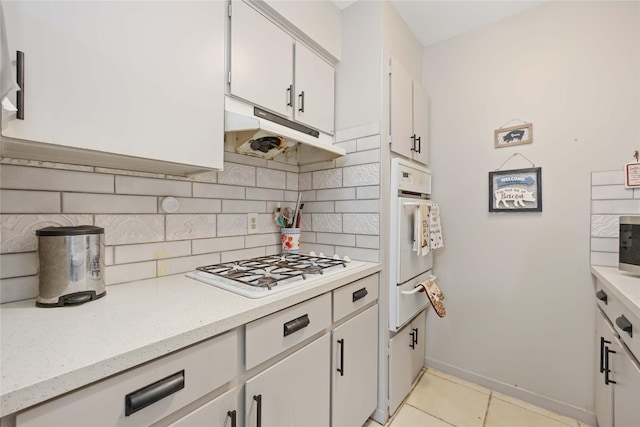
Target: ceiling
433 21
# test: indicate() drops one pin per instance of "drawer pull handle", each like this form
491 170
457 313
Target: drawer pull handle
602 355
258 399
232 415
624 324
290 96
415 336
341 368
413 339
20 82
153 393
361 293
607 381
602 296
296 324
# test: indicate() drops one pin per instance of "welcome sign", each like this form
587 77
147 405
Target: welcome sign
516 190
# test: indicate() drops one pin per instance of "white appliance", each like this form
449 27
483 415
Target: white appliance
410 186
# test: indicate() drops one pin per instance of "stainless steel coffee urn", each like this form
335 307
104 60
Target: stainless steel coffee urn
71 265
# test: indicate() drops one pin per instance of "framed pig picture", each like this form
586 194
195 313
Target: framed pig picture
516 135
516 190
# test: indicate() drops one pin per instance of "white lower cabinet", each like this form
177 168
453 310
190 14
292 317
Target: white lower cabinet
293 392
354 385
406 359
220 412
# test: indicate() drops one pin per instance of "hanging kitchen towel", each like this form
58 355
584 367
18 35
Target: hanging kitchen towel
7 82
435 230
424 229
435 296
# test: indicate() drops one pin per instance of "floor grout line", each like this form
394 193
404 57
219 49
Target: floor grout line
486 411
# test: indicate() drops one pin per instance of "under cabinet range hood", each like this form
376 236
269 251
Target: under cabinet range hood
255 132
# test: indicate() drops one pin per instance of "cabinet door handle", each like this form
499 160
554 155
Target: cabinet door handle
20 81
413 142
607 381
359 294
419 141
341 368
602 296
232 415
296 324
602 343
153 393
301 99
415 336
624 324
413 339
258 399
290 96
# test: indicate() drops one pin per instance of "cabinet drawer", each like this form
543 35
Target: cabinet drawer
620 317
270 335
354 296
155 389
221 411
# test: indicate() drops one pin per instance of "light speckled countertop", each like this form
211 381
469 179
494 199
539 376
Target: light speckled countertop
625 286
45 352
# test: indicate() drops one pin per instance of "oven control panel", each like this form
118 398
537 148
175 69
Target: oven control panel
410 177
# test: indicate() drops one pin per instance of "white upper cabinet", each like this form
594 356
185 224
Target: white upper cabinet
136 79
409 115
271 70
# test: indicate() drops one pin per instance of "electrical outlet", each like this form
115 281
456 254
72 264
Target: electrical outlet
252 223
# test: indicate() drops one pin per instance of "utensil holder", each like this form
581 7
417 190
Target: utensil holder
290 240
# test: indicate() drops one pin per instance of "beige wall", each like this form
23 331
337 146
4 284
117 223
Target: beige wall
520 309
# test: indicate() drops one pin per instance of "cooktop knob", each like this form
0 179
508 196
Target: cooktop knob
347 259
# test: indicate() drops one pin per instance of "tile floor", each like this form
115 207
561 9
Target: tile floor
441 400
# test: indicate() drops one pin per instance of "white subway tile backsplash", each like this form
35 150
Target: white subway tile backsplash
150 251
362 254
242 254
129 173
605 225
282 166
192 205
605 244
336 239
319 207
290 196
266 223
219 244
304 181
305 221
331 178
152 186
607 177
358 206
369 242
255 240
237 174
190 226
30 178
109 255
19 264
619 207
607 259
369 142
359 158
21 201
211 177
18 288
86 203
349 146
216 191
269 178
307 236
336 194
129 272
292 181
130 229
329 223
18 231
48 165
185 264
318 248
309 196
318 166
603 192
264 194
243 206
368 192
636 193
355 176
232 225
361 223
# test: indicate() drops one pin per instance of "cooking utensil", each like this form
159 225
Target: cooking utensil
287 214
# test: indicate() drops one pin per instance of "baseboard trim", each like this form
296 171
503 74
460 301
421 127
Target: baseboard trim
556 406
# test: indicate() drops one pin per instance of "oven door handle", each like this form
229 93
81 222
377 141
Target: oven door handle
418 287
411 204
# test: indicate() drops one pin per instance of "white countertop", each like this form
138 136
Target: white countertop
45 352
625 286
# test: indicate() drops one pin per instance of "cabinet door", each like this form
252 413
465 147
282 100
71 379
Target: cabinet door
293 392
220 412
261 61
355 377
417 354
315 87
421 123
401 94
604 392
142 79
626 389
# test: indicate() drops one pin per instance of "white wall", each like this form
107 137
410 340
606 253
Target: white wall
519 296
